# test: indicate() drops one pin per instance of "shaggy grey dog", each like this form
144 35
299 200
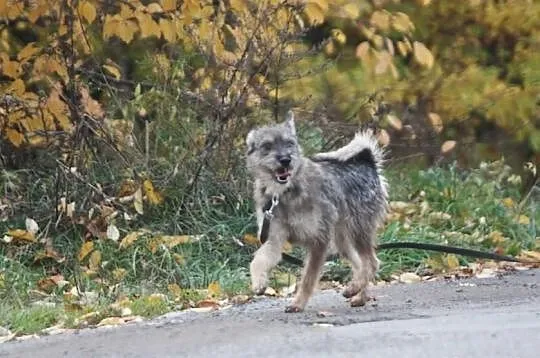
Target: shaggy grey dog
331 203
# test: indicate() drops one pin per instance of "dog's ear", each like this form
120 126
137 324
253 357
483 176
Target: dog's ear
249 141
289 122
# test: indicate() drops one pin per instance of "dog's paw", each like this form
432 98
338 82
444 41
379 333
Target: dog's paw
350 291
259 290
258 286
258 283
359 300
293 309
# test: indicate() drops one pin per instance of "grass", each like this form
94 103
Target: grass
473 208
29 320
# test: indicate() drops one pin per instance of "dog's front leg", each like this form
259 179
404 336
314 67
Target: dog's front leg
310 277
266 258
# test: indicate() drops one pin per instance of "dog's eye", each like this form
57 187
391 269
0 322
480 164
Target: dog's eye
290 143
266 146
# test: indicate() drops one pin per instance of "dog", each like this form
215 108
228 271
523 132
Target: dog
331 203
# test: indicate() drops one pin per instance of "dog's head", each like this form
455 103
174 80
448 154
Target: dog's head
273 152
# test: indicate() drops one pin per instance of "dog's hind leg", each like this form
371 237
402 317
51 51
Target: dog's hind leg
350 253
310 277
265 259
370 265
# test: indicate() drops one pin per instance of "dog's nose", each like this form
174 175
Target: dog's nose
284 160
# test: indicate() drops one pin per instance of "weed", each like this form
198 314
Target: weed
29 320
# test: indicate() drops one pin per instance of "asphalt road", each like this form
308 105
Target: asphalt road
492 317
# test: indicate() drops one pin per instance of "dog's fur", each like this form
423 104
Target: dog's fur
333 202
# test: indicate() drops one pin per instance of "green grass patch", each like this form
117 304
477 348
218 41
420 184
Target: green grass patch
29 320
476 208
150 306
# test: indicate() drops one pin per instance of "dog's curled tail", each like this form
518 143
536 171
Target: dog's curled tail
363 146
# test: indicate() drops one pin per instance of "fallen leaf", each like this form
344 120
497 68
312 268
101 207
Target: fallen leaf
496 238
48 253
138 202
54 330
113 70
48 284
126 312
403 207
173 240
439 216
436 122
530 255
113 233
31 226
90 105
95 260
132 319
119 274
447 146
7 337
270 292
202 309
111 321
26 337
179 259
127 188
129 239
153 195
524 220
207 303
89 318
409 277
383 137
287 247
175 290
287 291
394 122
508 202
251 239
19 235
214 289
240 299
486 273
452 262
86 248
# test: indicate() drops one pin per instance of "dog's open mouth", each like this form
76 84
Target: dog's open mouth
282 175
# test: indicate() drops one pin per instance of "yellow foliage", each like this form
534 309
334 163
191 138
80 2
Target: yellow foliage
314 13
113 70
28 51
168 5
86 248
422 55
87 11
94 262
168 30
20 235
148 27
214 289
153 195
